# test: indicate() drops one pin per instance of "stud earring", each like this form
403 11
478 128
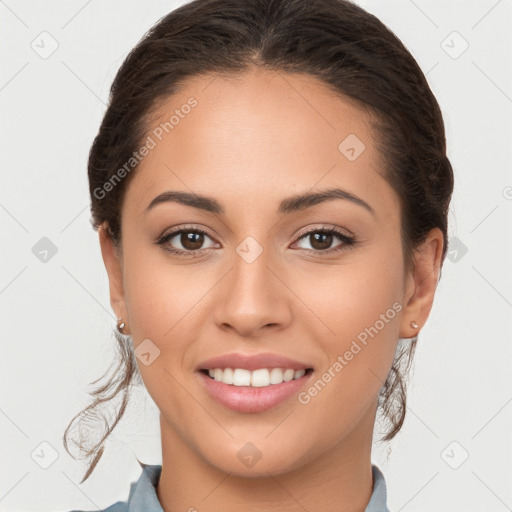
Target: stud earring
120 325
414 325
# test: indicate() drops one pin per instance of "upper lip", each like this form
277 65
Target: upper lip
252 362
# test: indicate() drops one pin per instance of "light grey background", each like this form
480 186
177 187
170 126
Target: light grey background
56 321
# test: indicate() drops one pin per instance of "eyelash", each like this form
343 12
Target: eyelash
348 241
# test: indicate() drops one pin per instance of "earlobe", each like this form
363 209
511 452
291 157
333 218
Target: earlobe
113 265
421 284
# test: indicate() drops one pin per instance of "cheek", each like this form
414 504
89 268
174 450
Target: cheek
361 305
352 296
162 300
358 307
161 296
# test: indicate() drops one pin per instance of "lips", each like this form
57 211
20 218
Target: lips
253 383
252 362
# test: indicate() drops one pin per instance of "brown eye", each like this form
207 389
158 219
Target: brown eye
325 241
191 240
321 241
186 241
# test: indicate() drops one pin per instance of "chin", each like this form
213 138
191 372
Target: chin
246 460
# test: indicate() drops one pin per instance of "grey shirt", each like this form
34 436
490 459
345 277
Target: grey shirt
143 497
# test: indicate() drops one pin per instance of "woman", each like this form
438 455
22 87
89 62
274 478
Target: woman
270 186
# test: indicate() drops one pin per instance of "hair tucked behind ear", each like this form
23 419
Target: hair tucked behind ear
336 42
110 400
392 396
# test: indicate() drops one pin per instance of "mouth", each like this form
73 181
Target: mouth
259 378
253 383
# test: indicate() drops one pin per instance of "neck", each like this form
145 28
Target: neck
339 480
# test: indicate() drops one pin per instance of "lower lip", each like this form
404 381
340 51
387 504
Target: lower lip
252 399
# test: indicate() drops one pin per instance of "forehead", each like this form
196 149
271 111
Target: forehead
261 133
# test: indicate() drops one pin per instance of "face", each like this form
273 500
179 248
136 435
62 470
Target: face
281 259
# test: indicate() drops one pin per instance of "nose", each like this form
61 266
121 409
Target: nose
252 300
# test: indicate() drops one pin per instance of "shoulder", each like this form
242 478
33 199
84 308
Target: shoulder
142 495
119 506
378 500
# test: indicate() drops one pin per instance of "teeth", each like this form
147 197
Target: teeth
240 377
257 378
288 375
276 376
260 378
227 376
299 373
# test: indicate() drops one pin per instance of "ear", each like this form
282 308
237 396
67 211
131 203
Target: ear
113 264
421 283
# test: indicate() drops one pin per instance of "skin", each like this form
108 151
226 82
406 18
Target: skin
252 141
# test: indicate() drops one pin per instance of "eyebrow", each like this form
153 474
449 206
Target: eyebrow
306 200
288 205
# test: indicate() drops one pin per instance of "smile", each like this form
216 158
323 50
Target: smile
261 377
252 383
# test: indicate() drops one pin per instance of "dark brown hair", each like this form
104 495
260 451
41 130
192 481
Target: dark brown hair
336 42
